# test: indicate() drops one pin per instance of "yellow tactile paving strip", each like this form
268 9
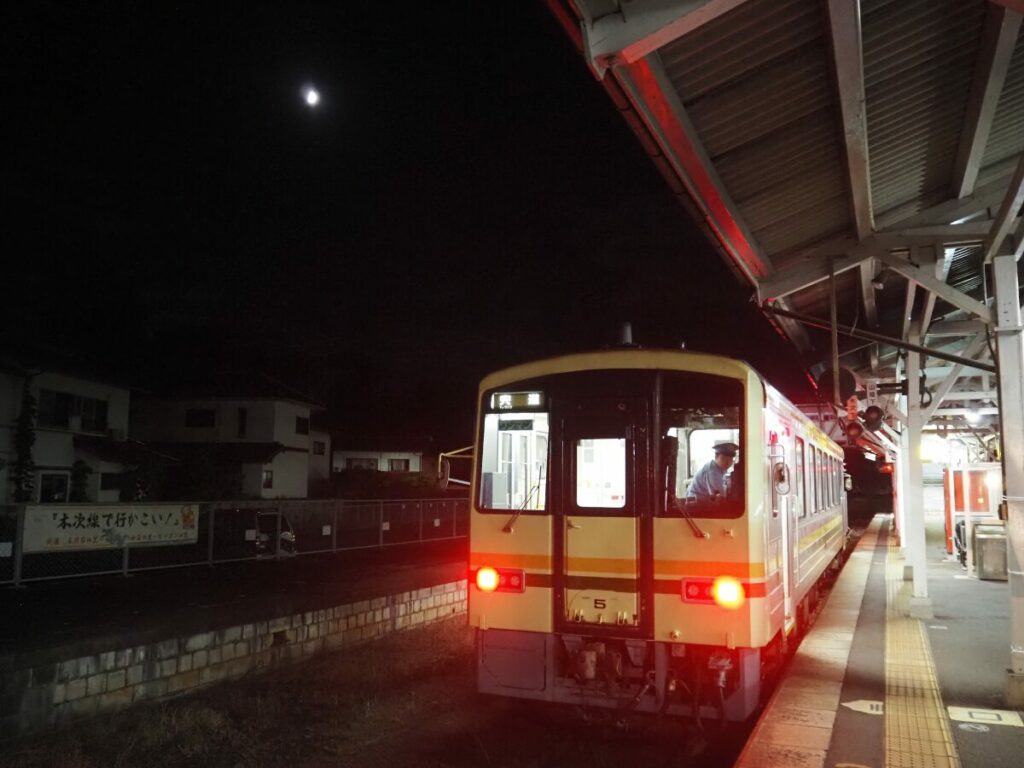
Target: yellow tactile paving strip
916 729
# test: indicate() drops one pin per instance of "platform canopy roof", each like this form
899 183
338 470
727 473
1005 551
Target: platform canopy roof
879 140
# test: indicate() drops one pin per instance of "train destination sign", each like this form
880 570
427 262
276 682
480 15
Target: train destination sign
504 401
64 527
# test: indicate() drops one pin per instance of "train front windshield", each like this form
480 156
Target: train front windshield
698 412
514 453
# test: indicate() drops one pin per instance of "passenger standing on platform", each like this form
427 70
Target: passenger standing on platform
709 481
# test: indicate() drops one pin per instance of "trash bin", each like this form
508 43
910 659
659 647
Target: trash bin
990 551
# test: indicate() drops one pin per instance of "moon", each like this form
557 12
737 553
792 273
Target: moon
311 96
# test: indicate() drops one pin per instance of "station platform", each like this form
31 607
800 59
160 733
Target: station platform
870 686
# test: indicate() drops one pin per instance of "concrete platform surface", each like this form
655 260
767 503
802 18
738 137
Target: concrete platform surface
871 686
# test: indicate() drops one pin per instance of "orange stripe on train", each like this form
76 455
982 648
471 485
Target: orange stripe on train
543 562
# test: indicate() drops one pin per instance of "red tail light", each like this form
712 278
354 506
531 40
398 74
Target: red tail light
728 592
724 591
489 579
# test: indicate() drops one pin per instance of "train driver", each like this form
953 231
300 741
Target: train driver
710 480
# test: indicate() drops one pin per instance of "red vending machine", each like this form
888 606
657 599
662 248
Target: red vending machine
973 489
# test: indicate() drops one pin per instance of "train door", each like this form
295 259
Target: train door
781 527
601 450
798 513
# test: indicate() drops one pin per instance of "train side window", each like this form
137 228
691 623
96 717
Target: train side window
831 481
835 481
798 463
822 484
826 481
810 480
816 480
838 480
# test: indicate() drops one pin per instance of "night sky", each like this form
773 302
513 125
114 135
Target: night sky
465 197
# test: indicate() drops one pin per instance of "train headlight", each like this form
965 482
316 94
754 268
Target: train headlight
728 592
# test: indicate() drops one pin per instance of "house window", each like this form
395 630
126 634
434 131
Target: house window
243 421
94 414
200 417
398 465
319 447
54 409
110 481
301 425
268 478
360 463
53 487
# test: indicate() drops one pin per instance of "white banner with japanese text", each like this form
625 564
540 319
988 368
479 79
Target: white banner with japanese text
64 527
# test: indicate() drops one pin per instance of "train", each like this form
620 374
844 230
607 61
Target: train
599 577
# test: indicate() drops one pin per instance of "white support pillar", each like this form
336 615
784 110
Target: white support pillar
901 467
1010 348
920 604
902 473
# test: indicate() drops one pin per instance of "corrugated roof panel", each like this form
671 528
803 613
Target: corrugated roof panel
758 88
800 193
806 146
1007 136
965 270
772 98
818 219
738 43
814 300
919 60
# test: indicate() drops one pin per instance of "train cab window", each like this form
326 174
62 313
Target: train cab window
698 412
514 461
601 473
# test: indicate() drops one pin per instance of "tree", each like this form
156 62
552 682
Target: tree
23 474
80 472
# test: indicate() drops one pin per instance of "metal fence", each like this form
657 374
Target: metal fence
245 530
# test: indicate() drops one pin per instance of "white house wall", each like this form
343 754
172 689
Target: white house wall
285 414
267 421
252 480
93 491
162 420
340 459
290 470
319 466
54 447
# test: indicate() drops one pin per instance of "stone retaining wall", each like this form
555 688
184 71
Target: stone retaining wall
58 692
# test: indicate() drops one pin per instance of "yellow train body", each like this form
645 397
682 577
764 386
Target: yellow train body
608 570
